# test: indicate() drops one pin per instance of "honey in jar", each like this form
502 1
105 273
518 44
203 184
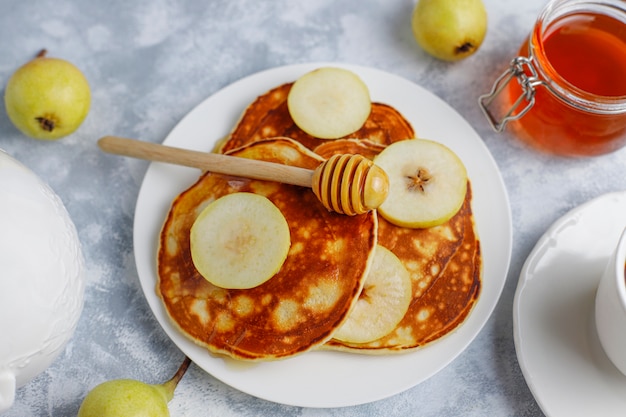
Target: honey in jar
570 94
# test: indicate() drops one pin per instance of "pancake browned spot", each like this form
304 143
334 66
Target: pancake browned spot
445 267
299 307
268 116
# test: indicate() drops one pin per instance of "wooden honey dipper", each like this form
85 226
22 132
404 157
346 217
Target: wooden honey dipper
346 184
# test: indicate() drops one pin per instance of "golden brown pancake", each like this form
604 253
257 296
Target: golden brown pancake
442 298
444 263
364 147
300 306
268 116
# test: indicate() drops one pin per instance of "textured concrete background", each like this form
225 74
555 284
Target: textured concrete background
149 62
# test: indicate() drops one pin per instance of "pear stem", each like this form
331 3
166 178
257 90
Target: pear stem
170 386
181 371
41 53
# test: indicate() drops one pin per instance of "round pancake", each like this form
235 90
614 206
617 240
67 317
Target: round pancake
444 263
441 302
299 307
268 116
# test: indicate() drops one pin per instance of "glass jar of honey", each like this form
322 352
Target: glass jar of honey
565 93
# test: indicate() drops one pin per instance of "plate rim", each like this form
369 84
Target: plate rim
483 307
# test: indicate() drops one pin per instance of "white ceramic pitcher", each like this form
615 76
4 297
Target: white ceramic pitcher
41 277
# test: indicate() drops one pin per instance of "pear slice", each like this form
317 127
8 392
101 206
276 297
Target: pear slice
329 103
239 241
383 302
427 183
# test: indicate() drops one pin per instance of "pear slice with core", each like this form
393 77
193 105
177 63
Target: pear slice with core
329 103
383 302
427 183
239 241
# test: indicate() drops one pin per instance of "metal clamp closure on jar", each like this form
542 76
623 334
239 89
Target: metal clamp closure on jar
523 70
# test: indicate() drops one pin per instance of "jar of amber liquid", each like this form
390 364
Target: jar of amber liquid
565 93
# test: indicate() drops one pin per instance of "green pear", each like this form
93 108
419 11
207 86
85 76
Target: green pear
131 398
47 98
449 29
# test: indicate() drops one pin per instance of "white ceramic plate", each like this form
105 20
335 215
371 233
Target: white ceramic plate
331 379
555 335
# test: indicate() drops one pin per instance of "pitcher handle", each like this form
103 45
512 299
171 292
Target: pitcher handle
7 390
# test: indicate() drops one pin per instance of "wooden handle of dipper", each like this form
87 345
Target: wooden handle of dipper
347 184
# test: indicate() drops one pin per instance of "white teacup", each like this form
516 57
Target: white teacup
611 307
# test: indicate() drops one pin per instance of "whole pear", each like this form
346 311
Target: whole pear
131 398
47 98
449 29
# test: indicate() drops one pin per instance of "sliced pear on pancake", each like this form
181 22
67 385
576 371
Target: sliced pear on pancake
427 183
383 302
298 308
239 241
329 102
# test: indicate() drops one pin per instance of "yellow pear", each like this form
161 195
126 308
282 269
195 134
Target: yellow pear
131 398
449 29
47 98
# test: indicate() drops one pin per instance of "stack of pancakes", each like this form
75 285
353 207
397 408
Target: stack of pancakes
330 255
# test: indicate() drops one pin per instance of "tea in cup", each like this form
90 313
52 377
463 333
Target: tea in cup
610 307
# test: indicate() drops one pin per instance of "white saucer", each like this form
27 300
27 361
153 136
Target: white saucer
553 314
